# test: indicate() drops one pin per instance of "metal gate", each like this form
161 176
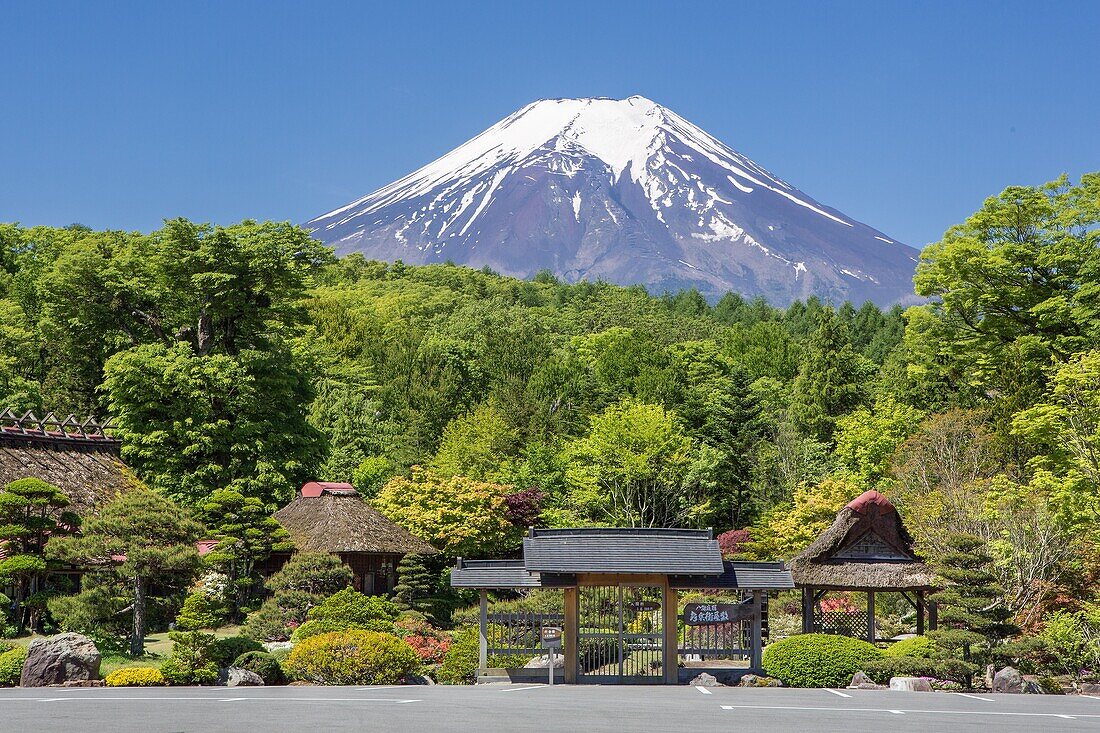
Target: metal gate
621 634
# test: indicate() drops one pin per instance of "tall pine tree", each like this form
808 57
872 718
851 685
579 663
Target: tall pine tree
415 585
832 380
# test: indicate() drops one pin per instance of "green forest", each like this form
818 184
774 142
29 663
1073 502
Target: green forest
467 406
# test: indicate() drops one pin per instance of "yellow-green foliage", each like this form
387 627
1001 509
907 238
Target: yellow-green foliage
817 660
917 646
352 658
135 677
11 666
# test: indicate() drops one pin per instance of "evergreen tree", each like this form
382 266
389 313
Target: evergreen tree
733 427
415 585
31 511
832 381
973 620
142 540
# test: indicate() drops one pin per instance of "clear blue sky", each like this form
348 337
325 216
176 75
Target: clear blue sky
904 115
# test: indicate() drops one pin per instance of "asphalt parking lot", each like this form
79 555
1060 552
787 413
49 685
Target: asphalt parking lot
533 708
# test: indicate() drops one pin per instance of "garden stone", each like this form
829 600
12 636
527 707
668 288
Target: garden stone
860 681
278 646
755 680
1031 687
56 660
239 677
419 679
910 684
705 680
1008 680
1089 688
543 661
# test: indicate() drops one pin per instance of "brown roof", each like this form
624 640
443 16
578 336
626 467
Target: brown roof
76 457
342 522
866 548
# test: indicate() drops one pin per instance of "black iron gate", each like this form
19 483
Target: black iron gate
621 634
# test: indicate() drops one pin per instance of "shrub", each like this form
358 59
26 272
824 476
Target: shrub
429 642
1069 644
192 659
200 611
818 660
351 606
225 650
352 658
954 670
459 665
320 626
135 677
11 666
6 646
916 646
262 664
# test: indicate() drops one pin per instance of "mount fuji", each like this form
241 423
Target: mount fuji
627 191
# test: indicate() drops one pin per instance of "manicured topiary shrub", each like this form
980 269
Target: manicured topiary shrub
316 627
352 658
135 677
953 670
11 666
916 646
351 606
224 651
818 660
262 664
192 659
200 611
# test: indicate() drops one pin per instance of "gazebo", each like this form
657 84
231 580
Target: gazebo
868 550
332 517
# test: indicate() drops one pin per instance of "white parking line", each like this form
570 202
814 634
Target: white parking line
521 689
838 693
897 712
703 690
973 697
908 712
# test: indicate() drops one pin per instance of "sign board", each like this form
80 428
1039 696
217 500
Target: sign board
644 606
709 614
551 637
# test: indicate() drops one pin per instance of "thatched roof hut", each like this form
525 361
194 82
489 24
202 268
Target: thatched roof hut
333 518
866 549
77 456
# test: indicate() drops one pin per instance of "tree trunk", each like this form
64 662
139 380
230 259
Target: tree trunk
137 638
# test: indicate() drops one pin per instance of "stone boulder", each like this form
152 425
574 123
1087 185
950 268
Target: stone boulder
1089 688
55 660
239 677
705 680
755 680
277 646
860 681
1008 680
543 661
910 684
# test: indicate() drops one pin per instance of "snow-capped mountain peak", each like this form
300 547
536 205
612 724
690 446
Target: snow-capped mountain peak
652 198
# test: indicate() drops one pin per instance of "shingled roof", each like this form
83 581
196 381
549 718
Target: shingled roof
866 548
77 456
334 518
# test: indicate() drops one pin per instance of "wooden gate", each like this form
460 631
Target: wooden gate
621 633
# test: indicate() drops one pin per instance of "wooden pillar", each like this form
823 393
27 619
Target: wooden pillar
933 620
871 616
807 610
483 635
920 612
571 630
670 655
756 660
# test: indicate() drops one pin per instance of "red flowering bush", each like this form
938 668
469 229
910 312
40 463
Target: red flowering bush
430 650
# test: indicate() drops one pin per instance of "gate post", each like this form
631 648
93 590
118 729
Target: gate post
756 660
572 628
670 657
483 635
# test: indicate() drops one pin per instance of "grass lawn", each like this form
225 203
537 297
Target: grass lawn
157 649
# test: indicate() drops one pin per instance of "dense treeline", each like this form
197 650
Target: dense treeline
468 405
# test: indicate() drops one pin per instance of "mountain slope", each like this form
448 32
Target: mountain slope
628 191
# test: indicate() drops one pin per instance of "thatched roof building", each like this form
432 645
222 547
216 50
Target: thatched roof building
866 549
332 517
77 456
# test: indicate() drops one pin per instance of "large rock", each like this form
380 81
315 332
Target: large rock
860 681
755 680
910 684
55 660
705 680
1008 680
1089 688
239 677
543 661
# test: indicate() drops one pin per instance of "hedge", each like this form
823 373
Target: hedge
11 666
818 660
916 646
135 677
954 670
262 664
316 627
352 658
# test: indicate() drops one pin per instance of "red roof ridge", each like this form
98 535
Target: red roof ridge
870 498
314 489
